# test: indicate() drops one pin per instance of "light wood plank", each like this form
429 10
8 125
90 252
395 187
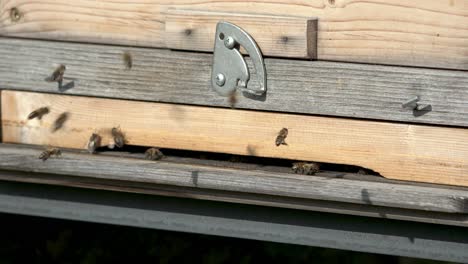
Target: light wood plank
293 37
244 181
397 151
427 33
312 87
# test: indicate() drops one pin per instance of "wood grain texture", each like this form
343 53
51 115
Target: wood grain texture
280 36
427 33
345 208
243 181
397 151
312 87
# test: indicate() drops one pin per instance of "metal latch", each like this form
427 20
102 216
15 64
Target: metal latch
230 72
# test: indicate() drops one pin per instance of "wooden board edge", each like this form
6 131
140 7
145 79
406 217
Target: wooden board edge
302 30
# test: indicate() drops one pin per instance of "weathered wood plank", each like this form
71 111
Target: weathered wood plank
312 87
428 33
293 37
368 210
397 151
110 168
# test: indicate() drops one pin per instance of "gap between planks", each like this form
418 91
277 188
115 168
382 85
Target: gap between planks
397 151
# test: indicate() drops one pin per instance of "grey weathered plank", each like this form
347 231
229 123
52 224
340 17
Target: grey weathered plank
235 220
313 87
245 181
367 210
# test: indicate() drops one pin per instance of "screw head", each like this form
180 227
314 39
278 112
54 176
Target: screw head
220 79
229 42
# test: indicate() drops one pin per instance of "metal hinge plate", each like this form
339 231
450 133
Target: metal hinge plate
230 71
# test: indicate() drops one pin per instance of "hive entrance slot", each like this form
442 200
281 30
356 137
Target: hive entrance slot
233 161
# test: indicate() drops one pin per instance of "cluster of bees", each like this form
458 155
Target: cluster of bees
307 168
94 142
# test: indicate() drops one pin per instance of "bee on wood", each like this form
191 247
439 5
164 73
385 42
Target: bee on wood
38 113
233 99
306 168
119 138
127 59
58 124
50 152
280 139
93 143
153 154
361 171
57 75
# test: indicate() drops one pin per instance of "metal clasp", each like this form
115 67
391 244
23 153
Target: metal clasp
230 71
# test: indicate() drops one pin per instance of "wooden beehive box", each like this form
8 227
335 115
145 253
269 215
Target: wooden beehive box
338 73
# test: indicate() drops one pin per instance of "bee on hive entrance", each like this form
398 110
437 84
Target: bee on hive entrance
58 124
38 113
280 139
128 60
306 168
50 152
119 138
93 143
57 75
153 154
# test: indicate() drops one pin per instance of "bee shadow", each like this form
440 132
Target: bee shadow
261 98
423 111
65 87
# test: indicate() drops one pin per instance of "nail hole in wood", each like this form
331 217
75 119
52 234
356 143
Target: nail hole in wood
15 14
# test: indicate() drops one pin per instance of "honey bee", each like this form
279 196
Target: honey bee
38 113
280 139
127 59
119 138
233 99
153 154
57 75
58 124
306 168
362 171
93 143
50 152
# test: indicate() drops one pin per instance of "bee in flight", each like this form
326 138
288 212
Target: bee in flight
306 168
50 152
58 124
153 154
38 113
233 99
127 59
280 139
